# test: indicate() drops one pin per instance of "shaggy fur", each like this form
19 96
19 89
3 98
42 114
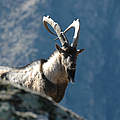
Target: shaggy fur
46 77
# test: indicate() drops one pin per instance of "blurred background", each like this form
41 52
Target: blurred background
95 94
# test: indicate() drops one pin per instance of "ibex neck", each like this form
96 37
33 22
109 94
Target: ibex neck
54 70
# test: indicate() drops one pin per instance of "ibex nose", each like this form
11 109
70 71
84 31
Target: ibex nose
71 74
73 65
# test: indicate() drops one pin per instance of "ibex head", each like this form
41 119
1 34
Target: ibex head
68 51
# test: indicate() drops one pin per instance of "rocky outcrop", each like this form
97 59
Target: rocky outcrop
18 103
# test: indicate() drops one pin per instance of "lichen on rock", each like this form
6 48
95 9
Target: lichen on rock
18 103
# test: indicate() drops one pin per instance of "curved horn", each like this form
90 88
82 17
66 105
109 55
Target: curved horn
76 25
56 27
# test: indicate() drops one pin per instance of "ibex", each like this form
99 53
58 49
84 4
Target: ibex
51 76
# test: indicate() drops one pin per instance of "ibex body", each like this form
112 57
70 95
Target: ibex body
51 76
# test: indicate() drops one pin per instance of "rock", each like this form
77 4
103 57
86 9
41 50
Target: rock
18 103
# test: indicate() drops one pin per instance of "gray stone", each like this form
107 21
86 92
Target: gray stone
18 103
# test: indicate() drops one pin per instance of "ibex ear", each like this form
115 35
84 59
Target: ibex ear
59 48
80 51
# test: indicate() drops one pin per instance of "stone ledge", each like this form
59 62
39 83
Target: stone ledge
18 103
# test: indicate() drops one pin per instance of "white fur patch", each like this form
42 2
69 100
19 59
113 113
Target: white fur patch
53 69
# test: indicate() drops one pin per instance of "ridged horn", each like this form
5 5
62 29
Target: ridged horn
57 29
76 26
